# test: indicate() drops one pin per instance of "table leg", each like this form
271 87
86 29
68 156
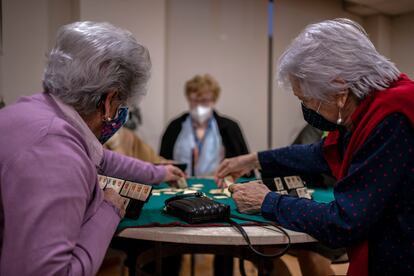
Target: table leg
192 264
131 264
158 258
260 267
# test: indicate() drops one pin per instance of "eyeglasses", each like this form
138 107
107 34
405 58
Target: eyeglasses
201 101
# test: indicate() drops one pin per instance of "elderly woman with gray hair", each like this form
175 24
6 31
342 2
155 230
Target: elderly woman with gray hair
55 220
347 88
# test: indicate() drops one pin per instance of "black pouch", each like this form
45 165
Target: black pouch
197 208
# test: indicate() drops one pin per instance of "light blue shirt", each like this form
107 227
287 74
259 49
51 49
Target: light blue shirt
211 150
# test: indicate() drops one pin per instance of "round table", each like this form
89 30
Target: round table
167 241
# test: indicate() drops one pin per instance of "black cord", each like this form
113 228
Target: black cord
247 239
239 228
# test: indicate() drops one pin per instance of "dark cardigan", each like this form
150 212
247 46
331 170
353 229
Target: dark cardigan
231 135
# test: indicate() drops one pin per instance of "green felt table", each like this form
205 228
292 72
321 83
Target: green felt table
152 213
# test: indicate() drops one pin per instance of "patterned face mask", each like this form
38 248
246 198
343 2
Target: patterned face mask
110 127
316 120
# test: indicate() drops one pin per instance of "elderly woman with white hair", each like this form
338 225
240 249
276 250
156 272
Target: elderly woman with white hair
55 220
347 88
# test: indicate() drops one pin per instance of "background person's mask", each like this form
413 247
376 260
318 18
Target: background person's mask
201 113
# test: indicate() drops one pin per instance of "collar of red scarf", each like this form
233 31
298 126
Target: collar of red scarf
399 97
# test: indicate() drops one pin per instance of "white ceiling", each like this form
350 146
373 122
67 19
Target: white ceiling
371 7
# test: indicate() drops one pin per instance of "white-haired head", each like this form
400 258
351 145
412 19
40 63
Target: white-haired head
332 56
89 59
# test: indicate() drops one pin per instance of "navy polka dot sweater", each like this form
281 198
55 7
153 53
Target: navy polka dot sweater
373 202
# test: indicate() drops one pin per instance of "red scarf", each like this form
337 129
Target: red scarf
398 98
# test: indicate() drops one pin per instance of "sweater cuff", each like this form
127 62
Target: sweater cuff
265 158
269 206
160 173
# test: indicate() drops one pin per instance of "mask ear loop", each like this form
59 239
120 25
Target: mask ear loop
102 101
319 107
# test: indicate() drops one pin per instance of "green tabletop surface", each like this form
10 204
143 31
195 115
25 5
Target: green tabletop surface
152 213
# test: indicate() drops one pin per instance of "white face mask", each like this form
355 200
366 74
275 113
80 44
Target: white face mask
201 113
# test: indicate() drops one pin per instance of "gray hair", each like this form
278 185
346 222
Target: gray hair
91 58
332 56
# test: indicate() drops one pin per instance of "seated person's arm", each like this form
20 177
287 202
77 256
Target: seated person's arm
128 143
169 138
237 143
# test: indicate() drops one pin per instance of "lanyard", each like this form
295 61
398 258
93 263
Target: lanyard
199 143
195 152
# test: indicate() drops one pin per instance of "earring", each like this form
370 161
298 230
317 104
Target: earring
108 119
339 121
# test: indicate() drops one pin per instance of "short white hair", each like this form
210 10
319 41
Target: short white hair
332 56
91 58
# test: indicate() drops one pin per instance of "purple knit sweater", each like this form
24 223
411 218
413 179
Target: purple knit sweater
53 218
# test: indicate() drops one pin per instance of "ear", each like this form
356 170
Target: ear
108 108
342 96
341 99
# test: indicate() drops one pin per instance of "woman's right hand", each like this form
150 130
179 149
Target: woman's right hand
236 167
173 173
113 198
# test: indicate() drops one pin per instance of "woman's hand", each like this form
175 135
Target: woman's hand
249 196
116 200
173 174
236 167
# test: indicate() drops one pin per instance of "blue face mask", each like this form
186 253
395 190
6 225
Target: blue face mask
316 120
110 127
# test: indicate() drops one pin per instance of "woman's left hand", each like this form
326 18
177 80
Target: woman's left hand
173 173
249 196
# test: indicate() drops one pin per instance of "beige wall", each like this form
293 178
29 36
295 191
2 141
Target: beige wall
227 39
146 21
290 17
27 41
379 30
402 43
28 29
24 47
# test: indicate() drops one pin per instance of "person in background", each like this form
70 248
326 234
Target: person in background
201 138
54 218
346 87
127 142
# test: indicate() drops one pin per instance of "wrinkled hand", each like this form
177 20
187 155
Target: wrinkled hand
115 199
249 196
236 167
173 174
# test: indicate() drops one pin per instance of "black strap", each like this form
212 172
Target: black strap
247 239
196 194
239 228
